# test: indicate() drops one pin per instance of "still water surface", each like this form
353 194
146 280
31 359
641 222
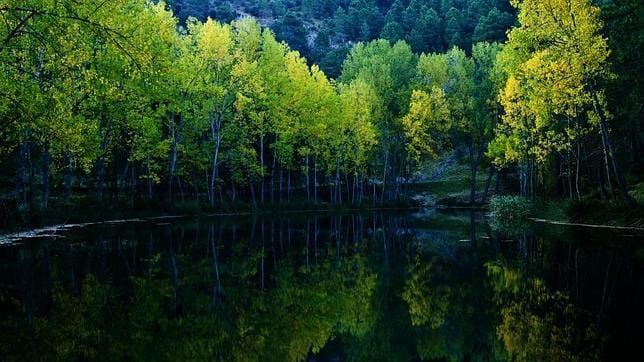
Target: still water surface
352 287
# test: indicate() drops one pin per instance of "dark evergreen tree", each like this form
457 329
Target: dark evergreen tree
291 30
493 26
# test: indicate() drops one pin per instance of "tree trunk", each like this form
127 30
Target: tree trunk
273 179
261 162
398 177
252 194
346 182
215 127
487 185
602 187
315 179
21 189
101 168
523 179
174 129
45 176
32 175
308 182
569 176
114 180
68 178
559 171
288 187
281 182
384 177
134 185
101 178
354 188
636 140
473 172
171 167
578 162
391 193
149 183
606 164
373 196
338 186
180 187
619 176
195 186
533 175
125 177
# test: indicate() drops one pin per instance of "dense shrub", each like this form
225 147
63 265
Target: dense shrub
638 193
511 207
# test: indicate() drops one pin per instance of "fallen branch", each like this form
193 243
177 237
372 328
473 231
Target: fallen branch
553 222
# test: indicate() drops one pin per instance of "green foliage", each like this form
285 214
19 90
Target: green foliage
428 115
553 65
511 207
638 193
427 25
624 26
173 105
126 98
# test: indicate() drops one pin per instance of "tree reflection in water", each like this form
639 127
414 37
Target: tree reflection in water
359 287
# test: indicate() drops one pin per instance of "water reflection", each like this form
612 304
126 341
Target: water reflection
362 287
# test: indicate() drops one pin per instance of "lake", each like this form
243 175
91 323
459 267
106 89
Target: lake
369 286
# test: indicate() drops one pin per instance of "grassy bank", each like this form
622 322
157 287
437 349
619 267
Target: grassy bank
447 183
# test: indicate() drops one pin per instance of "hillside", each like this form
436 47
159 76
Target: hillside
323 31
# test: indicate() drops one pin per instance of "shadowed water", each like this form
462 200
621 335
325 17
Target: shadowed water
355 287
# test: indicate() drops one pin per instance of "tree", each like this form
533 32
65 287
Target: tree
488 80
453 72
358 107
493 27
218 61
223 13
426 123
556 61
454 33
291 30
388 69
625 91
393 32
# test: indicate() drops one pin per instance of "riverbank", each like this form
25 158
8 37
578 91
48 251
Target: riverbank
88 210
591 211
442 184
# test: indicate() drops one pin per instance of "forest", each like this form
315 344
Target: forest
324 31
152 104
